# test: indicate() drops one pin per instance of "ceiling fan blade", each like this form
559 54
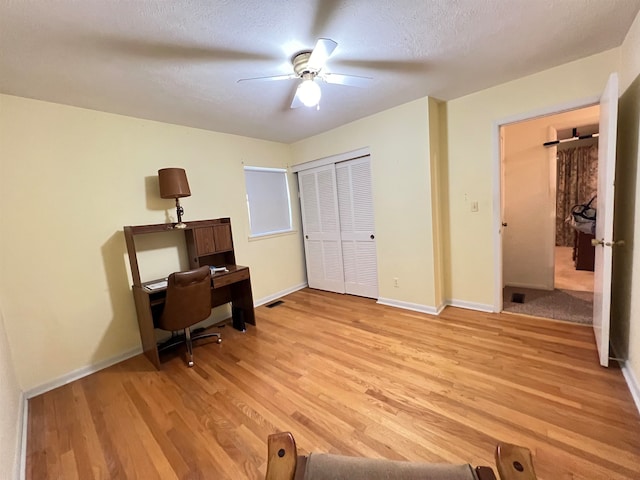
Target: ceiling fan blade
164 51
349 80
398 66
270 78
321 52
326 13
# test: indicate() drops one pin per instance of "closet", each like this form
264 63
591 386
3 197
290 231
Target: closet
338 226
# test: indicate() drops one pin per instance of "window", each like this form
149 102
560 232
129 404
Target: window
268 200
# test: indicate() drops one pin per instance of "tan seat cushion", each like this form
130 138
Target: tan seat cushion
322 466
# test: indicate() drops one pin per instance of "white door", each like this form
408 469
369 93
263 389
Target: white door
604 217
321 228
357 229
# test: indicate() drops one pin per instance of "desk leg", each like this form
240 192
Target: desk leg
145 324
242 297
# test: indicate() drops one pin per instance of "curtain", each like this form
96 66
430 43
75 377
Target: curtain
577 182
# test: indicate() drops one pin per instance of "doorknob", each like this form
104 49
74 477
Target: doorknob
372 236
595 242
307 237
504 224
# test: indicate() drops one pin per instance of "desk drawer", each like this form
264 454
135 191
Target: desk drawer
233 277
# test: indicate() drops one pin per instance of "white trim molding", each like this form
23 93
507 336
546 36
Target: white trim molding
82 372
93 368
416 307
282 293
340 157
497 181
22 436
480 307
533 286
632 383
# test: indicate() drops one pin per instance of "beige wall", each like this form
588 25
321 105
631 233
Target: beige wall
625 321
530 195
398 140
472 130
72 178
10 410
435 145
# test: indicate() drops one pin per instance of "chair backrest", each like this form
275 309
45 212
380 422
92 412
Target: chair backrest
188 299
323 466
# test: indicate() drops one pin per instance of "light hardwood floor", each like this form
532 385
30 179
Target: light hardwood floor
348 376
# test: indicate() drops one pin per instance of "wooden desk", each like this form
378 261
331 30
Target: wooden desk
209 242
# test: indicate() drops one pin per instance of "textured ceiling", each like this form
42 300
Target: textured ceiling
178 61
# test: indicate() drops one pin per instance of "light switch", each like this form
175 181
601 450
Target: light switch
474 206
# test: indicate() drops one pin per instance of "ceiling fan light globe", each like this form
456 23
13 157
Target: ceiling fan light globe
309 93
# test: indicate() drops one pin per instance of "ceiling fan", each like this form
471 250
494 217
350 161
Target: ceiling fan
308 67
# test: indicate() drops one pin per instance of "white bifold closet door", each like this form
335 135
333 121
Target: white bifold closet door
338 224
321 225
357 228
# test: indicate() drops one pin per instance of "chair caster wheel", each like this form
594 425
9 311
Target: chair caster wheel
190 363
219 340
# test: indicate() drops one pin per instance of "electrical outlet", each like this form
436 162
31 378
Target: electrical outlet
395 282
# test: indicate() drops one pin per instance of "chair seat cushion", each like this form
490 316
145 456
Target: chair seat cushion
322 466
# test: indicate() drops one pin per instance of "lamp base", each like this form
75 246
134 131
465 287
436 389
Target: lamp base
179 213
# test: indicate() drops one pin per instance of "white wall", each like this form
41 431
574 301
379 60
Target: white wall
625 320
472 127
10 410
528 242
398 140
72 178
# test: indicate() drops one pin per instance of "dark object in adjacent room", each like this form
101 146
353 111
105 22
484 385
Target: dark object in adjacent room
517 298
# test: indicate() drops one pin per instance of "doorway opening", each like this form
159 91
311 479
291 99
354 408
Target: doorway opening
548 265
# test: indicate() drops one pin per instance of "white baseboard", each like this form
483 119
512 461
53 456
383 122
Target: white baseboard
416 307
440 308
282 293
632 383
89 369
481 307
22 436
533 286
82 372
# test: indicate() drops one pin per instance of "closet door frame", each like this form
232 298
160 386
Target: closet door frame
332 161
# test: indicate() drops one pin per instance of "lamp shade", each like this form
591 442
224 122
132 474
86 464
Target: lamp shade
173 183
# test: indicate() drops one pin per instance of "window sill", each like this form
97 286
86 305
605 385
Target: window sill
253 238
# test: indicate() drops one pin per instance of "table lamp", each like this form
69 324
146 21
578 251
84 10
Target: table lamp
173 184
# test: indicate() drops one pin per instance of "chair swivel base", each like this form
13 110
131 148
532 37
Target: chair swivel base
186 337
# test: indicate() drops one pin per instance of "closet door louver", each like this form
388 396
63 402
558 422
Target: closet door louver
321 228
357 228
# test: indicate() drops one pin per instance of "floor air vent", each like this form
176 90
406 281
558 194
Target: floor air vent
517 298
275 304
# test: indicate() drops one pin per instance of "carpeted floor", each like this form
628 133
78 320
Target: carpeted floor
569 305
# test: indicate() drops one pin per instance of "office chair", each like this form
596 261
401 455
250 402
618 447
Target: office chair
188 302
283 463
